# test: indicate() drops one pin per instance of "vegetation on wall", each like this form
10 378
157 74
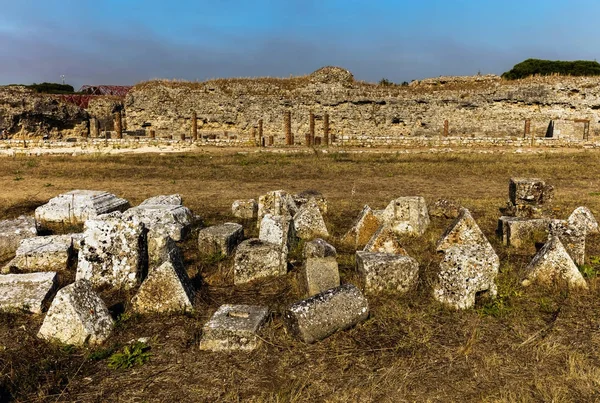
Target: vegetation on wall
532 67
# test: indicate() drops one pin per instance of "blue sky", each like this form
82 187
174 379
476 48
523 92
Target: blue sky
128 41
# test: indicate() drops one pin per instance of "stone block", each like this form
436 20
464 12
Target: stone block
529 191
553 265
463 231
169 200
320 267
278 230
444 208
387 272
276 203
28 292
77 316
304 197
234 328
363 228
166 289
114 251
322 315
175 220
12 232
407 215
318 248
162 248
309 223
255 259
583 218
522 232
72 209
572 238
42 253
245 209
220 239
385 240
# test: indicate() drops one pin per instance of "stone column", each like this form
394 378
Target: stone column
287 126
253 136
326 129
194 126
527 129
118 125
271 140
152 134
307 139
311 125
446 128
94 128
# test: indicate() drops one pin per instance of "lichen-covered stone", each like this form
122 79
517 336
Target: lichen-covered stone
277 203
114 251
309 223
42 253
278 230
444 208
407 215
12 232
220 239
463 231
387 272
166 289
553 265
245 209
320 267
304 197
174 219
162 248
28 292
169 200
318 248
583 218
529 191
234 328
322 315
522 232
385 240
363 228
77 316
73 208
572 237
255 259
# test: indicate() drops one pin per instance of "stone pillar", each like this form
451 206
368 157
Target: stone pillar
446 128
527 130
118 125
182 136
260 132
311 125
152 134
271 140
307 139
253 136
194 126
287 127
326 129
94 128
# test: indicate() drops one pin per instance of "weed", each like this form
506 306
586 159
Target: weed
131 356
101 354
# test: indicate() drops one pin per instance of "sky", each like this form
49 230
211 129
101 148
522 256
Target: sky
123 42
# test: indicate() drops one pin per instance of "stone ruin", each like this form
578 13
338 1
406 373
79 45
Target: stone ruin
136 249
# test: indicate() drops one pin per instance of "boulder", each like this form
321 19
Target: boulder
322 315
28 292
77 316
572 237
309 223
582 217
407 215
71 210
387 272
385 240
255 259
363 228
114 251
12 232
245 209
552 265
522 232
42 253
234 328
168 200
276 203
304 197
175 220
220 239
320 267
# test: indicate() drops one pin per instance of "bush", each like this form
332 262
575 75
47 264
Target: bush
52 88
531 67
385 82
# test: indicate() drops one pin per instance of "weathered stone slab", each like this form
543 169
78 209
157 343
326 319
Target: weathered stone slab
387 272
42 253
320 267
276 203
234 328
521 232
245 209
553 265
72 209
174 219
278 230
304 197
220 239
12 232
77 316
322 315
166 289
255 259
582 217
572 238
407 215
363 228
28 292
169 200
114 251
385 240
444 208
309 223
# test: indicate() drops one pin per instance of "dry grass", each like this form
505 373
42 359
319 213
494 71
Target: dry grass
533 344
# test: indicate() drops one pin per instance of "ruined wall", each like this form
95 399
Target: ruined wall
481 106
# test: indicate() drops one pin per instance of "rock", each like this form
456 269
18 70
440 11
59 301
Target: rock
278 230
387 272
572 238
309 223
583 218
385 240
463 231
363 228
174 219
245 209
552 264
12 232
166 289
276 203
168 200
304 197
28 292
77 316
255 259
70 210
520 232
324 314
162 248
42 253
444 208
320 267
407 215
114 251
234 327
220 239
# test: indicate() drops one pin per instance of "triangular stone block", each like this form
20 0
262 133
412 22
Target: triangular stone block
309 223
385 240
583 218
572 237
463 231
363 228
553 264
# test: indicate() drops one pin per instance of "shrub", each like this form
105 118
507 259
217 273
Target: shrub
532 67
52 88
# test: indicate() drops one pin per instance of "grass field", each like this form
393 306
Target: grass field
531 344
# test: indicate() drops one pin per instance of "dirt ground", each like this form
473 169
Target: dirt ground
531 344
